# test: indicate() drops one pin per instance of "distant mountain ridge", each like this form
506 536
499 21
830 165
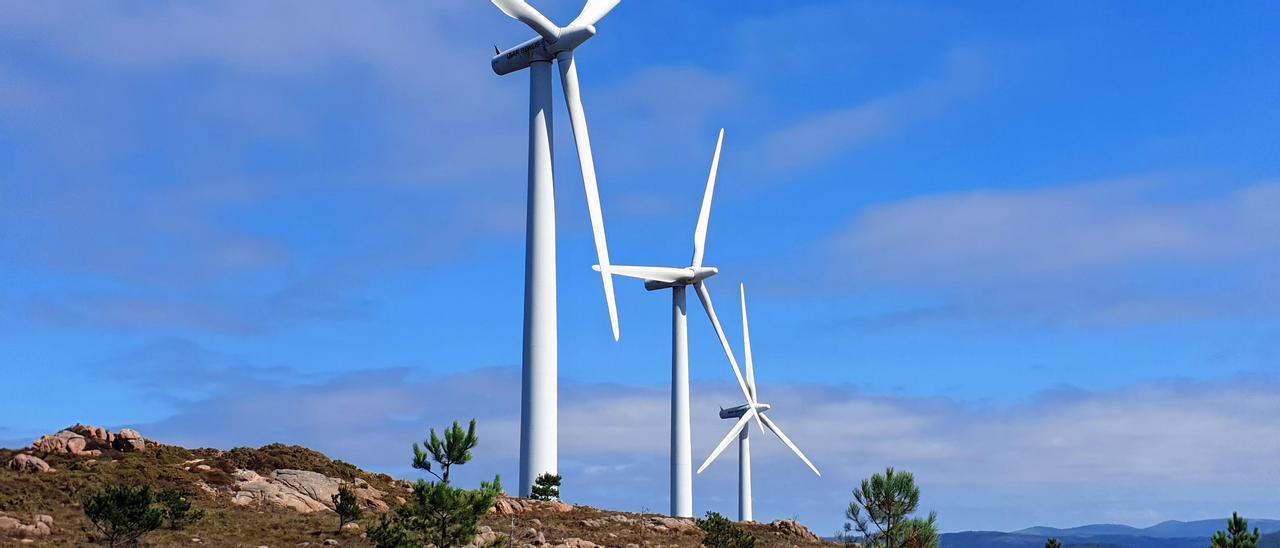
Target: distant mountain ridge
1168 534
1166 529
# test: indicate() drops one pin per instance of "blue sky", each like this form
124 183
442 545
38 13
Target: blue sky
1027 251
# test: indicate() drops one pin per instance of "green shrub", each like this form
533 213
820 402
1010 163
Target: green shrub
391 532
177 508
1052 543
123 513
278 456
722 533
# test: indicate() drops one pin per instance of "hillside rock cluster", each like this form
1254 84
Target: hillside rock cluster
41 526
510 506
29 463
300 490
792 528
79 440
91 441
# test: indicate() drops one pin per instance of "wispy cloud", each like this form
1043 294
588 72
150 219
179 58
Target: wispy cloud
826 135
1118 251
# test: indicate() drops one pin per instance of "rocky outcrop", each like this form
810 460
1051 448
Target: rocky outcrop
487 537
369 496
252 488
95 437
29 463
663 523
299 490
65 441
129 440
90 441
40 527
793 529
575 543
312 485
652 523
510 506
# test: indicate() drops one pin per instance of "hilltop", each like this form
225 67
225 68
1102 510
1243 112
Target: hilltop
279 495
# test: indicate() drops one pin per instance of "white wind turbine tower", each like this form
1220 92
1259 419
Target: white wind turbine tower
538 411
677 279
744 413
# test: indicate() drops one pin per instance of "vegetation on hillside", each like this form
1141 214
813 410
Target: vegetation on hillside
123 513
187 483
177 508
722 533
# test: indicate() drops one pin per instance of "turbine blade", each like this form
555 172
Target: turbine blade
704 216
733 433
746 344
578 119
704 295
778 430
594 11
656 273
523 12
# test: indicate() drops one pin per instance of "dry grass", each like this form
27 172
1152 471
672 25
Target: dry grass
226 525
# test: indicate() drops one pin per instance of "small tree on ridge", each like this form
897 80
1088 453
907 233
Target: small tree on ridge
1237 534
546 487
347 506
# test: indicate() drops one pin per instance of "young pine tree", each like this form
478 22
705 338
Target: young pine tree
546 487
440 514
882 508
347 506
454 448
122 513
921 533
1237 534
1052 543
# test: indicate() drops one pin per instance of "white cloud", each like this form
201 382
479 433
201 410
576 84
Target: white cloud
1162 450
1110 252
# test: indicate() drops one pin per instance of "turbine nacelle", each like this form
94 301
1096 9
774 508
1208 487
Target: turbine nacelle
662 277
540 49
695 275
739 411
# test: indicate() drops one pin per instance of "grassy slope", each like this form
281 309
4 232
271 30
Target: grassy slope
58 495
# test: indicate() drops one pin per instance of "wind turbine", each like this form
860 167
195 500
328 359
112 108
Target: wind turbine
538 410
744 413
678 279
